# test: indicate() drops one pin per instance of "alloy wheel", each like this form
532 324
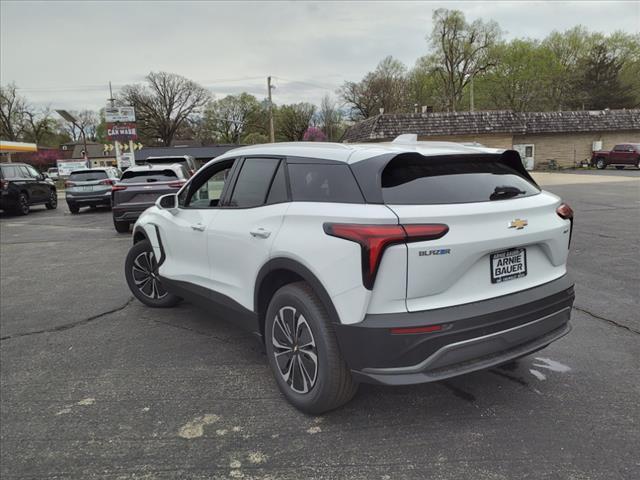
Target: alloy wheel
24 204
53 199
145 276
295 351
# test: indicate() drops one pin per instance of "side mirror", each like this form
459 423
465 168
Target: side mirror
41 176
168 202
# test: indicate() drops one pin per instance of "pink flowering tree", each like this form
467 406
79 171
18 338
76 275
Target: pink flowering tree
314 134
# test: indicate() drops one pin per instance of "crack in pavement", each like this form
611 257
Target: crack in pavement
608 320
68 326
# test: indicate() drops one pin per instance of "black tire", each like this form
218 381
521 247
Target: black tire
619 167
73 208
330 385
53 200
22 207
121 227
141 272
601 164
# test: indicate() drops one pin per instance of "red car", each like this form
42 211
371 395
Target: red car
622 155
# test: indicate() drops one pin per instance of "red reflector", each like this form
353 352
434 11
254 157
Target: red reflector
69 184
565 211
107 182
115 188
374 239
407 330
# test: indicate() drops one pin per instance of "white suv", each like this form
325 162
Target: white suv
392 263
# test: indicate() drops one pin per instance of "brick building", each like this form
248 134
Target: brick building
566 138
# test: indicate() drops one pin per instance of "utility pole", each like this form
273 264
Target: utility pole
272 136
116 144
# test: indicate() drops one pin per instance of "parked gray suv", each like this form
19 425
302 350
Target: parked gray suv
140 187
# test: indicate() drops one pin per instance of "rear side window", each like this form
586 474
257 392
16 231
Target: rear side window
10 171
88 175
418 180
323 183
145 176
253 182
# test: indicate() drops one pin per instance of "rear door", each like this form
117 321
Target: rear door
30 184
504 234
240 237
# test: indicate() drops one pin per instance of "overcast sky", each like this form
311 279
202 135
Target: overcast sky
64 53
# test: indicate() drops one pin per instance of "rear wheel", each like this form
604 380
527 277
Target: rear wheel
53 200
121 227
600 163
73 208
141 272
22 207
303 351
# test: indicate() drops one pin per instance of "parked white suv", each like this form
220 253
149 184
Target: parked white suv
392 263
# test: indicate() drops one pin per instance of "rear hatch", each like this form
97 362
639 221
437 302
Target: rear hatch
139 189
88 183
504 233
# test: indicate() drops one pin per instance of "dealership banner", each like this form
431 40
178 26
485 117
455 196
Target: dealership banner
122 132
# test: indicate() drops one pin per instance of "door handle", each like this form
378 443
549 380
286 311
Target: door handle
199 227
260 233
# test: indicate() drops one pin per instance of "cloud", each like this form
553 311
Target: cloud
65 53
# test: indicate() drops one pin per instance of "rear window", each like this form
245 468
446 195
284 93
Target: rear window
167 160
142 176
416 180
88 175
323 183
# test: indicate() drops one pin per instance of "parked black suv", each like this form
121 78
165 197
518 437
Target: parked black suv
22 186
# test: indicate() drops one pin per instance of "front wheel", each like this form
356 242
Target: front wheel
141 272
601 164
303 351
53 200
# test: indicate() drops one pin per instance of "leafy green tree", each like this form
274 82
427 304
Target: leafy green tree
227 120
293 120
460 51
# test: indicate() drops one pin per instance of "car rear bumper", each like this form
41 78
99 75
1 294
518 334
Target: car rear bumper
129 214
88 199
473 336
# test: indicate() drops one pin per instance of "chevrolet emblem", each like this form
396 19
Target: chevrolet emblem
518 224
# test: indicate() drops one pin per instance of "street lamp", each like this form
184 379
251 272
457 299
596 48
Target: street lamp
70 118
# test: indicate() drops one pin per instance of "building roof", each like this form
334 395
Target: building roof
200 153
388 126
351 153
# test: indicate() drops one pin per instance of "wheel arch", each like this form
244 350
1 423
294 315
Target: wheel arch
279 272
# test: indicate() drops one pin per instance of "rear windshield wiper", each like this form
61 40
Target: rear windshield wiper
500 193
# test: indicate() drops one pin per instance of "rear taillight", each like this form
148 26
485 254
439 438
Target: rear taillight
4 184
68 184
374 239
176 184
565 211
117 188
107 182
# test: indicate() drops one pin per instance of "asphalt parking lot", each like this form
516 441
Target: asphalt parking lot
95 385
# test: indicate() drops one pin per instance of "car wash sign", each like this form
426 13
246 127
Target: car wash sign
122 132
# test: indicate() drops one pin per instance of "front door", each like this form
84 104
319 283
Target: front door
184 232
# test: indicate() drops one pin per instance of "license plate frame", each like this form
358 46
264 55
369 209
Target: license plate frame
510 269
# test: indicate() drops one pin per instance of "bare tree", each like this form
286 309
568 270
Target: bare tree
461 51
39 123
12 107
329 118
164 104
385 87
87 120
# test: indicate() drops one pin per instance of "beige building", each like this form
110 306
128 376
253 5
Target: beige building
542 138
